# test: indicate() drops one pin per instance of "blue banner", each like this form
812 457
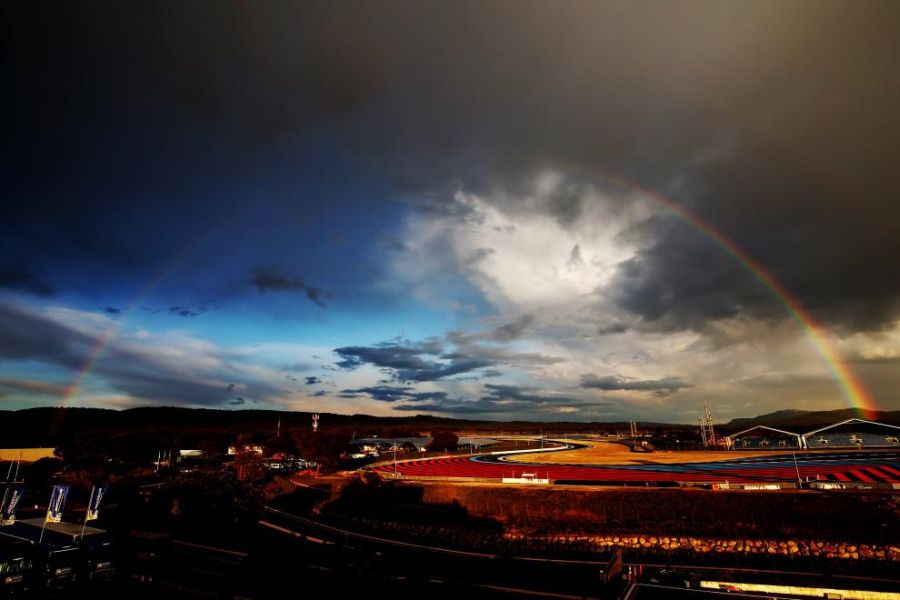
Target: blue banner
57 503
93 510
12 496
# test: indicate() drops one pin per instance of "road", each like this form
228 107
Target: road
859 467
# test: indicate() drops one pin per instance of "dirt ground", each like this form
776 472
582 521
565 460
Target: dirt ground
610 453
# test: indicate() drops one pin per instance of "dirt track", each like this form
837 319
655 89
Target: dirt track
611 453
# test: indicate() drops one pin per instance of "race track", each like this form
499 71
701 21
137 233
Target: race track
859 467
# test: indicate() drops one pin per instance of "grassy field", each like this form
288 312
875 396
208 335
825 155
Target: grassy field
25 454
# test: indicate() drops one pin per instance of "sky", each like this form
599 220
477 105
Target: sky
494 210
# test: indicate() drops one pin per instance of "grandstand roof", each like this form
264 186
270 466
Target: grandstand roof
854 420
740 433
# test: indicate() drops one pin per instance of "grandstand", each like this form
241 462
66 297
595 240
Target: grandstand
853 433
763 437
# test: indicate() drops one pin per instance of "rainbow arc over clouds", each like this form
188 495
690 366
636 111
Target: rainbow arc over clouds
102 342
853 390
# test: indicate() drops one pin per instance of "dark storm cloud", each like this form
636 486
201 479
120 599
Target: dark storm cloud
16 279
758 118
389 355
682 281
32 336
612 328
408 364
504 400
312 380
385 393
192 310
659 387
428 361
274 279
523 394
456 366
777 123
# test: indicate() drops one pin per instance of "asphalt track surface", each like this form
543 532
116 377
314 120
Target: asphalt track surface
857 467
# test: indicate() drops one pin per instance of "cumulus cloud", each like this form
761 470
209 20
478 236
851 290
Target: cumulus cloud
160 370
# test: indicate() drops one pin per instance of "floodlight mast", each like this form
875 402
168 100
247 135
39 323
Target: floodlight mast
710 433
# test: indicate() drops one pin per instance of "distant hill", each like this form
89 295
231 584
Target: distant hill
803 420
49 426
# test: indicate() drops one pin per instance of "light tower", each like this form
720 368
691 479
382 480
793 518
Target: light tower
315 422
710 433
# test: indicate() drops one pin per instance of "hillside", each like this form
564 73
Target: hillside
803 420
51 426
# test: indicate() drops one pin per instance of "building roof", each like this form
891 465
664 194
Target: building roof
847 422
70 529
740 433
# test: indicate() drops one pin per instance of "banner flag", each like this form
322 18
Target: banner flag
57 503
93 509
12 496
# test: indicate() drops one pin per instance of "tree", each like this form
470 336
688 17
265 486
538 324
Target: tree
324 446
443 440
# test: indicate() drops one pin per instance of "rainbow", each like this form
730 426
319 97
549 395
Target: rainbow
110 334
853 390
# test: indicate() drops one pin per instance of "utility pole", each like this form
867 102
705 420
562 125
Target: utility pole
315 422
